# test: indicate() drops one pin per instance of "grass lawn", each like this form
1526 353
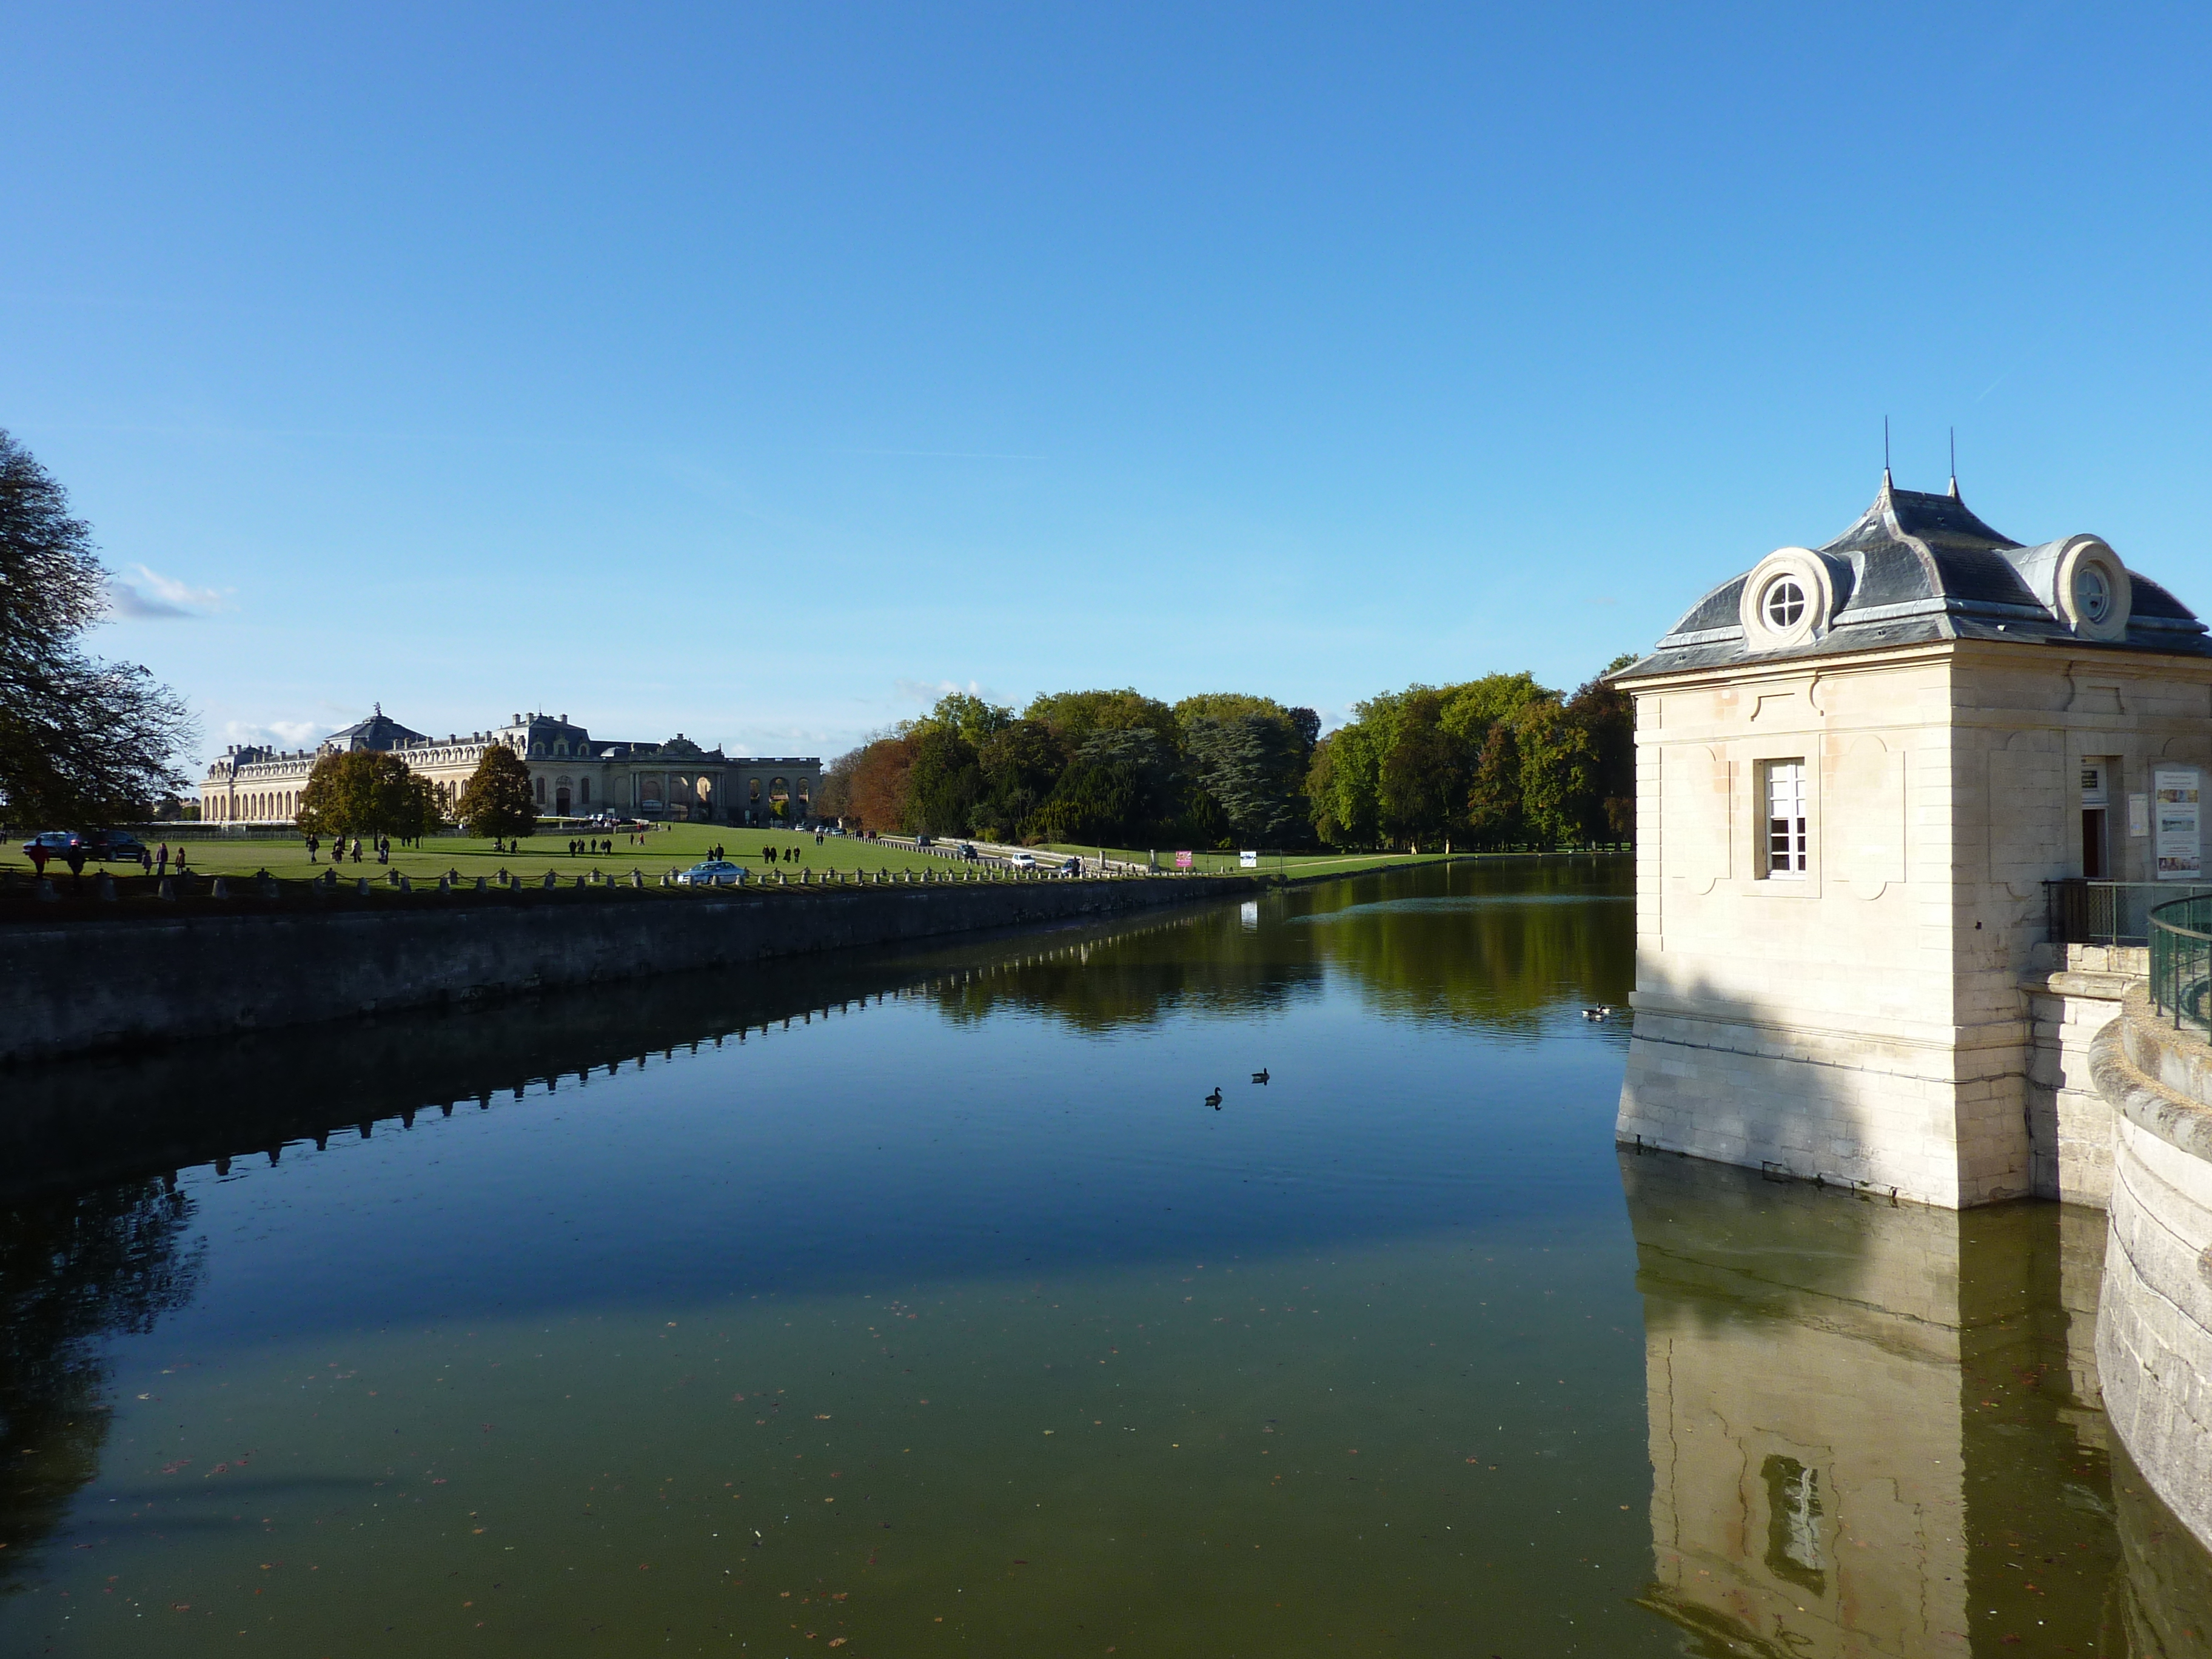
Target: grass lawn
676 847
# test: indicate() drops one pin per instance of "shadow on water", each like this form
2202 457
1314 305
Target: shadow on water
1487 945
75 1273
1876 1427
99 1240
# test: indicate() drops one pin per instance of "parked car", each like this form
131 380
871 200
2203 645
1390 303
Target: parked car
1073 867
925 841
712 873
1023 861
56 842
114 846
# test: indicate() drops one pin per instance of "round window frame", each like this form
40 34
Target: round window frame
1809 572
2082 557
1782 593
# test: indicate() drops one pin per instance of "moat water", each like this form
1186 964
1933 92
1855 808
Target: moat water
918 1304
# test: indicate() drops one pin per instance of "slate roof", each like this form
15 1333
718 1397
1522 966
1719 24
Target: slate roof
1917 567
379 731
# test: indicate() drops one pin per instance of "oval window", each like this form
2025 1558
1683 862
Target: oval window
2093 592
1783 605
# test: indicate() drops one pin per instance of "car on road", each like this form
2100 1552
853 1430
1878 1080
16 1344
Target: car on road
100 846
712 873
1023 861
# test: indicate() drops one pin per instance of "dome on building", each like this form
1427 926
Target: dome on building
1917 567
379 731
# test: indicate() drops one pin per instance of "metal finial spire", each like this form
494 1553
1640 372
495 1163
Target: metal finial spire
1885 451
1955 463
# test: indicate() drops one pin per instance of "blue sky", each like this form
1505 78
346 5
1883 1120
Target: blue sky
753 372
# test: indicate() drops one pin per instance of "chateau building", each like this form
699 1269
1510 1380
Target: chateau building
1857 768
572 774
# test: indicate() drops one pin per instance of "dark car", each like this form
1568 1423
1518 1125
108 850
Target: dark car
55 843
114 846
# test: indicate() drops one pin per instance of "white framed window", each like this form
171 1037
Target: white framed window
1784 602
1787 843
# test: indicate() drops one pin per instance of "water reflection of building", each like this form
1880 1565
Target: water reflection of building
1874 1427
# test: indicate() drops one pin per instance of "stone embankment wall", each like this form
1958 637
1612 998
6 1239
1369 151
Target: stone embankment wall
2154 1316
2074 992
81 987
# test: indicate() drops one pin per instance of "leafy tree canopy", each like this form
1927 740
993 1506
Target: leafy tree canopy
367 791
497 799
83 742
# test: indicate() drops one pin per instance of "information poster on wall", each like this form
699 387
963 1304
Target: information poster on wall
2138 816
2175 809
1182 860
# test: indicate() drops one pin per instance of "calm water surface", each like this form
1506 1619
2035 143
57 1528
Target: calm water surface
918 1304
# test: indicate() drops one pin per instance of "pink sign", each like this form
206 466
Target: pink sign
1182 860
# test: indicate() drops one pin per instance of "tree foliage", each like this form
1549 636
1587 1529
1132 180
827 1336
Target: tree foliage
83 742
1501 760
367 792
497 799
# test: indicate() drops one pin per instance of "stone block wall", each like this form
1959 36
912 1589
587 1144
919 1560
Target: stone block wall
79 987
2072 993
2154 1316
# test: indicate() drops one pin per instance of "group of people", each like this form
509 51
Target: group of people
153 864
382 845
594 848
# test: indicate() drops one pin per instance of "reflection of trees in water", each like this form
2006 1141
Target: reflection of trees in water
1209 963
75 1271
1489 944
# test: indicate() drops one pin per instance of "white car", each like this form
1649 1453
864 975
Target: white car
713 873
1021 861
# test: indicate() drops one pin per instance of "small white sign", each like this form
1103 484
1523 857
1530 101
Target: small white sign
2138 816
2093 783
2176 805
1248 860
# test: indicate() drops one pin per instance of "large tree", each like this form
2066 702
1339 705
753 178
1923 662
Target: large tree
496 800
82 741
367 791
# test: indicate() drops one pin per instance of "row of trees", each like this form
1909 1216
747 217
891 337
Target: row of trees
1099 767
1494 763
1497 761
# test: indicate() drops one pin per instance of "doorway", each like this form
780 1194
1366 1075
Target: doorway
2096 832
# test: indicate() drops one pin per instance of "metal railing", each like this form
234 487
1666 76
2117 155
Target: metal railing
2081 912
2181 961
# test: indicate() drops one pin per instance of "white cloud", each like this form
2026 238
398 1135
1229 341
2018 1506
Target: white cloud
276 734
156 595
926 691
